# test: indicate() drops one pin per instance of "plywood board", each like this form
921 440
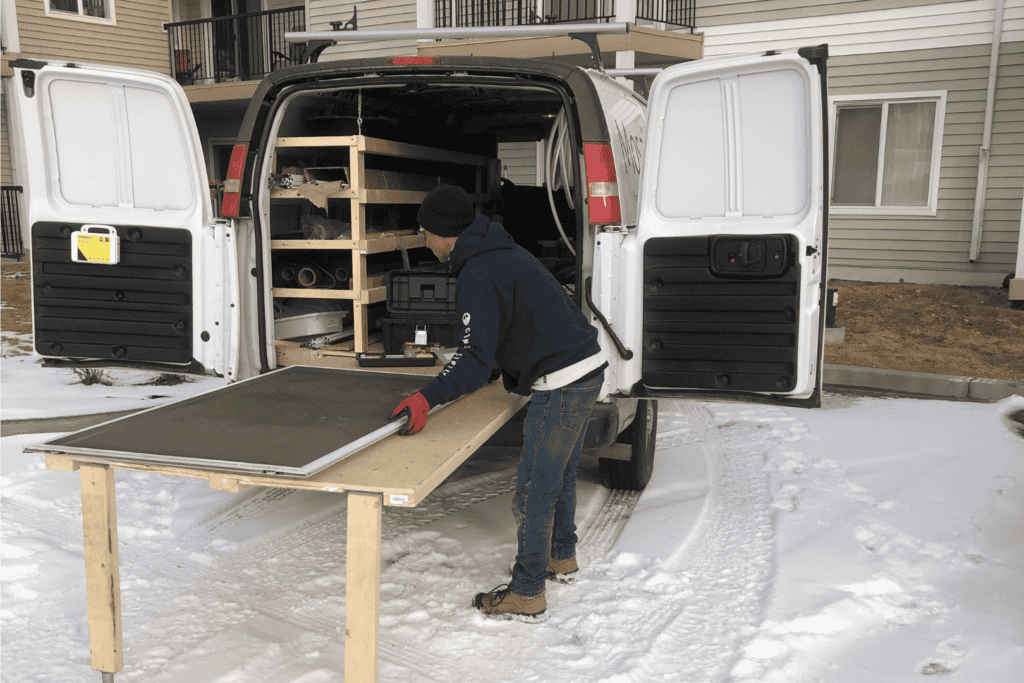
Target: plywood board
403 468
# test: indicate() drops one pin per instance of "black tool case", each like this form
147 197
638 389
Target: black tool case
421 300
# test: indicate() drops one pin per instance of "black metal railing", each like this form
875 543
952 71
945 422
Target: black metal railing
460 13
674 12
471 13
10 217
239 47
579 11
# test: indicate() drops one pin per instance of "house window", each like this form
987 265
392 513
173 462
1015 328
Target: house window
886 153
93 9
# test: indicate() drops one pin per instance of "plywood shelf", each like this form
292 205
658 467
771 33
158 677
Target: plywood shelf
375 243
385 148
370 295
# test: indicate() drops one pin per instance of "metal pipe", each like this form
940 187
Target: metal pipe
639 71
527 31
986 138
307 277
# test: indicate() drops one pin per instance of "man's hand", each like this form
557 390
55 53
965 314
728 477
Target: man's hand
416 406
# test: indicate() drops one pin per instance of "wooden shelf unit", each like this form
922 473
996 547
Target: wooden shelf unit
366 290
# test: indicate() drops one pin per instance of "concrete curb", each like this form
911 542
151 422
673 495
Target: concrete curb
921 383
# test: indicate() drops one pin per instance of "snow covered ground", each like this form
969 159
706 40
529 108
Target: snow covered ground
876 539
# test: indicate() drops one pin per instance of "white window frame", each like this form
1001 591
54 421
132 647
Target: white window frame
81 15
884 99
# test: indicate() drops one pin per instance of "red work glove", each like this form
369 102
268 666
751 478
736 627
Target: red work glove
416 407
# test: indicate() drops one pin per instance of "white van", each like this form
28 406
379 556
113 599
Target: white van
690 228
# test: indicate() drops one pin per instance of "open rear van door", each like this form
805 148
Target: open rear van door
720 289
129 265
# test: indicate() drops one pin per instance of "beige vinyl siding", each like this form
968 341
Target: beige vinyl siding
519 162
718 12
373 14
6 173
942 242
896 29
137 39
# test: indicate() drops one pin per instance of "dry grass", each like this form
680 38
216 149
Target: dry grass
966 331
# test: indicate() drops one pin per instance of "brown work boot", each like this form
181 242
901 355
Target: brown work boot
563 571
503 603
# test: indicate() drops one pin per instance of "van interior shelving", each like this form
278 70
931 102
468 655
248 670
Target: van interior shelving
349 166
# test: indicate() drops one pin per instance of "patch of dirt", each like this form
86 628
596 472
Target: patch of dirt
15 290
942 329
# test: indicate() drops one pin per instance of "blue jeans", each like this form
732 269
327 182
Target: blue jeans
545 500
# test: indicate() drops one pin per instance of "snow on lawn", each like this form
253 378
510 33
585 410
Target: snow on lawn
32 391
876 539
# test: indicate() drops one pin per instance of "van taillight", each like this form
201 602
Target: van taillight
602 184
233 182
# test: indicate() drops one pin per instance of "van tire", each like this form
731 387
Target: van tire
642 435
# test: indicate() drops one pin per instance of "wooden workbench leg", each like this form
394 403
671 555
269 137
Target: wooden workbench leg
362 586
102 576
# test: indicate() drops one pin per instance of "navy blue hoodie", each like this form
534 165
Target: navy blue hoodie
513 312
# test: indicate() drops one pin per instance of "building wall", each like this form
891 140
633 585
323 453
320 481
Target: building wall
373 14
922 46
519 162
943 241
725 12
137 39
6 174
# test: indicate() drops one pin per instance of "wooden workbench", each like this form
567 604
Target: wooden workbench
397 471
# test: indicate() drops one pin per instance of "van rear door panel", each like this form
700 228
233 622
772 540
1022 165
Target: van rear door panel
118 149
705 331
140 309
721 293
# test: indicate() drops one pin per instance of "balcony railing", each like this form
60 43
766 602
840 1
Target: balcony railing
467 13
240 47
672 12
11 220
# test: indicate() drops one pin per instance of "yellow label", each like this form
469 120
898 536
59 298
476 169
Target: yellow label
94 248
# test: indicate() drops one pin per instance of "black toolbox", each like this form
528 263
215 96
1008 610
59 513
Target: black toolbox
420 300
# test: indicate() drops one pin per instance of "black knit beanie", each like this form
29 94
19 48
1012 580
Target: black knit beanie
446 211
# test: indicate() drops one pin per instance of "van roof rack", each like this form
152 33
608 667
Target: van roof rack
317 41
644 71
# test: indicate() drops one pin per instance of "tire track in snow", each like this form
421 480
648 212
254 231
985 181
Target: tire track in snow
684 619
602 533
728 558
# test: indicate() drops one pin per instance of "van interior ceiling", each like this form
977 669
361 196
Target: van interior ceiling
497 121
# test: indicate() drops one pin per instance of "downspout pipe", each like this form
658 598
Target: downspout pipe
986 139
